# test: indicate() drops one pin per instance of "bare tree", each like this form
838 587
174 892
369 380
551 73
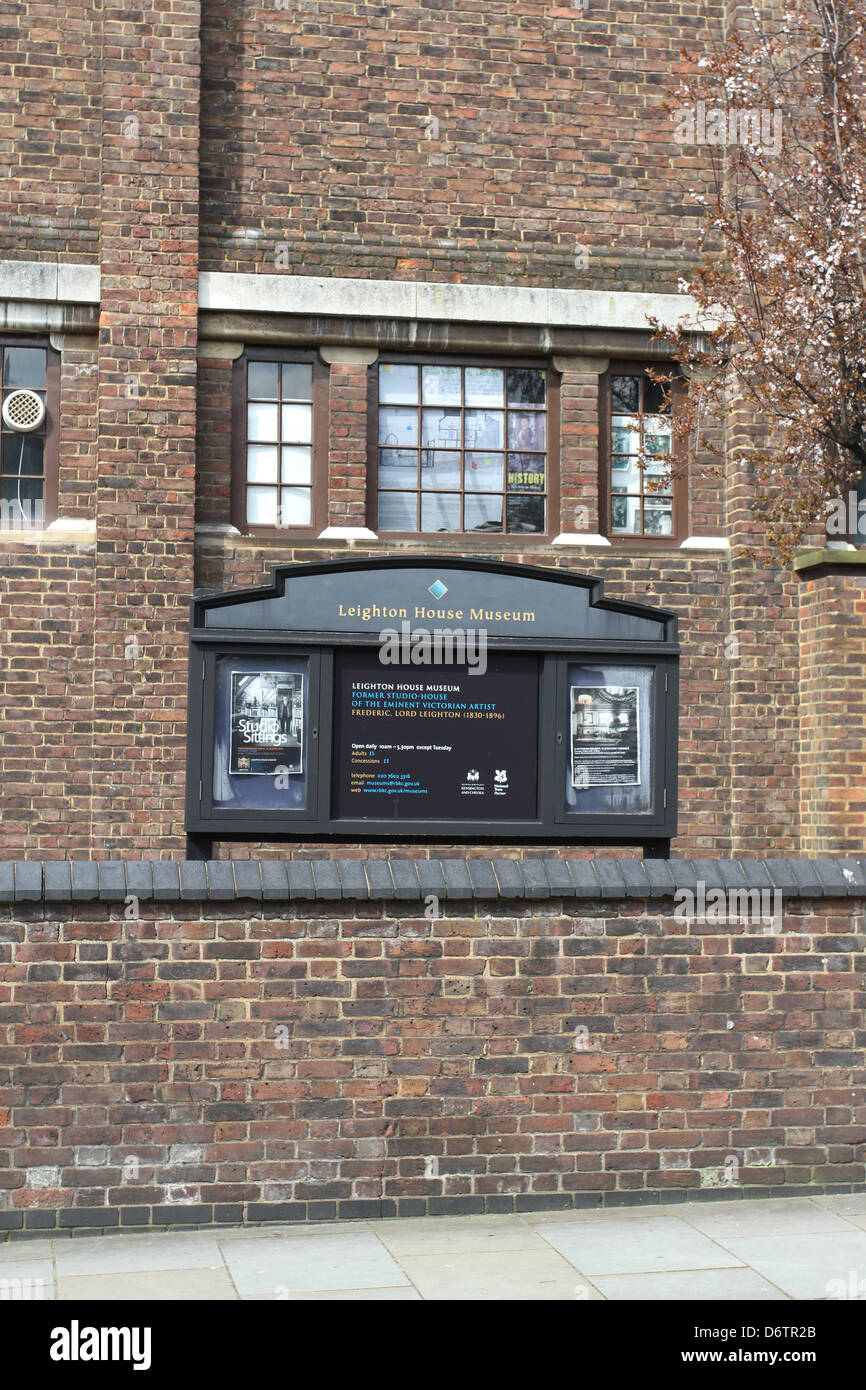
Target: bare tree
783 270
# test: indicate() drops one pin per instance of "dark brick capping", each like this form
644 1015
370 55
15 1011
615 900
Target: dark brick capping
410 880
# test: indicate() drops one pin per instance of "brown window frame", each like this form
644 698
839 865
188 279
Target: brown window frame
679 519
552 412
51 446
318 445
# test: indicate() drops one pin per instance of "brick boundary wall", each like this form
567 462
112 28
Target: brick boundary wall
225 1042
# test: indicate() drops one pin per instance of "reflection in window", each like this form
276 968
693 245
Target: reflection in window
462 448
641 482
22 451
279 477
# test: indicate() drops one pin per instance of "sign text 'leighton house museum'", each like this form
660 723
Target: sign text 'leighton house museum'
422 788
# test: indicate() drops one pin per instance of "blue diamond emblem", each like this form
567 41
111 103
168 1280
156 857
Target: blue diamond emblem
438 589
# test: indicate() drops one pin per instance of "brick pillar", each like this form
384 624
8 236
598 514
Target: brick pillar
347 436
146 412
578 445
760 656
832 710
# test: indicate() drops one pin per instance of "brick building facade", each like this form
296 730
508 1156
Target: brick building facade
223 222
346 186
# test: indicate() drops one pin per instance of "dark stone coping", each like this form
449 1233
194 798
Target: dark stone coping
413 880
50 1223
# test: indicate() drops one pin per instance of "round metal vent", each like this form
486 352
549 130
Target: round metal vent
23 411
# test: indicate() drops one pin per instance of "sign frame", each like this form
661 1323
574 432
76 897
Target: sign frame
220 627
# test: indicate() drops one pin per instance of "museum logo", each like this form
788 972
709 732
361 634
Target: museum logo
439 646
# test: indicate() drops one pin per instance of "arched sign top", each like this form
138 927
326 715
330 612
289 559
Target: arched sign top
522 604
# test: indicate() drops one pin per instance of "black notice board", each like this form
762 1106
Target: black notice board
429 743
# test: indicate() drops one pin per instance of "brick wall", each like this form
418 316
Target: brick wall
832 713
232 1045
50 143
486 142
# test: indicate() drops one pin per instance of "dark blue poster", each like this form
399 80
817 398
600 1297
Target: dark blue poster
435 742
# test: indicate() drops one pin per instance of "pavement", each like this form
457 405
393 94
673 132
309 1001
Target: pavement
774 1250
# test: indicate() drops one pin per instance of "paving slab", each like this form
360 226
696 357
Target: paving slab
315 1263
456 1235
762 1218
25 1250
847 1204
155 1286
528 1275
658 1243
807 1266
133 1254
404 1293
26 1280
702 1285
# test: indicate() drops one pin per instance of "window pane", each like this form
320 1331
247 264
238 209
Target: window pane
262 506
653 396
398 468
484 386
483 514
526 386
625 474
262 422
439 469
440 511
22 453
525 430
261 463
441 428
658 516
526 472
657 435
625 394
525 514
398 511
624 434
22 502
398 426
441 385
24 367
625 514
296 465
483 472
294 506
484 429
297 423
297 381
398 384
262 379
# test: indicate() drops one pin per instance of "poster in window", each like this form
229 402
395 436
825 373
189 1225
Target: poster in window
267 723
605 736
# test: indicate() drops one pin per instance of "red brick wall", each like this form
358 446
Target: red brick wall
832 714
546 135
145 499
145 1071
50 117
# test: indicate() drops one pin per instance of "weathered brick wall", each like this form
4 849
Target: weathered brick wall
832 713
328 1049
488 142
50 143
145 499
